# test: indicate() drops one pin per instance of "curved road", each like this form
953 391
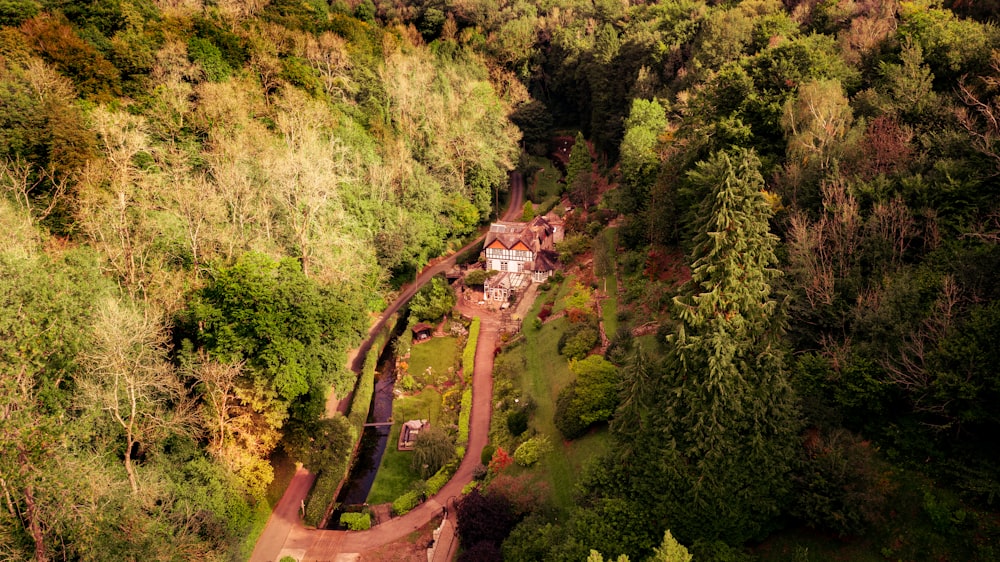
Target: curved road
286 535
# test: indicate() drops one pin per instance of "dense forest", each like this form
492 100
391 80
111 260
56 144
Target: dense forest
201 205
204 201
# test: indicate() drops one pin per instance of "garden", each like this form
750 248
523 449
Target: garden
429 386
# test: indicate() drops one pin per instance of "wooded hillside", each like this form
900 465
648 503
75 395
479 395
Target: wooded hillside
199 196
201 203
863 136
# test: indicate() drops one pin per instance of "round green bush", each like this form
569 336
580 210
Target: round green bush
529 452
567 416
356 521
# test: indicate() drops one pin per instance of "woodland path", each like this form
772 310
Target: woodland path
285 535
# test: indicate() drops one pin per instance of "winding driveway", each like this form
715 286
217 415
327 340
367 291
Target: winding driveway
285 535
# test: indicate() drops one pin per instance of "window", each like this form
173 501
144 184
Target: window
503 266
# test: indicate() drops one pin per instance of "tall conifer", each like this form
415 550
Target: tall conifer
728 418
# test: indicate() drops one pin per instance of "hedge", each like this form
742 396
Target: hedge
468 368
469 354
406 502
465 416
330 477
356 521
440 478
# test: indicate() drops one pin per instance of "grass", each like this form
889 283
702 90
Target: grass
545 374
545 186
560 293
437 354
609 306
394 474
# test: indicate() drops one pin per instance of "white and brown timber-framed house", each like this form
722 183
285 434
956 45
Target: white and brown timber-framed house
521 253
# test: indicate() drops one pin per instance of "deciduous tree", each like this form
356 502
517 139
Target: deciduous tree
128 378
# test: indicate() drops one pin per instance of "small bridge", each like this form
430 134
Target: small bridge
378 424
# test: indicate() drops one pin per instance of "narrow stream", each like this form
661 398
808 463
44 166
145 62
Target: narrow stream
373 439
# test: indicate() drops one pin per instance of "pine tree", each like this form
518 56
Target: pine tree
728 416
670 551
579 160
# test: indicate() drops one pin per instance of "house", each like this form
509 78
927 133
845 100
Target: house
422 332
408 434
521 252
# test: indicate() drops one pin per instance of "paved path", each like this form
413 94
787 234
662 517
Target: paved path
285 535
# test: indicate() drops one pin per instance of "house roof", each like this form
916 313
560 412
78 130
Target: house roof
511 235
416 424
545 260
422 327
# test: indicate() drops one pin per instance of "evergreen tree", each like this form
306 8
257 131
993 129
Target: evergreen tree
670 551
728 421
579 160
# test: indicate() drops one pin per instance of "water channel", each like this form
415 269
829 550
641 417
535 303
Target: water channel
373 439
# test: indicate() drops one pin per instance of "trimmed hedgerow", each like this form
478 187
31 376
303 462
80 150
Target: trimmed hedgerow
465 416
356 521
469 354
406 502
329 477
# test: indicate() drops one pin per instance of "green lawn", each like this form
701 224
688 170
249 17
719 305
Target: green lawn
545 374
394 474
609 306
438 354
560 293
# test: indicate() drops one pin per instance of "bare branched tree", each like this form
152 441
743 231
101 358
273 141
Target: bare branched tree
22 181
981 115
910 369
127 376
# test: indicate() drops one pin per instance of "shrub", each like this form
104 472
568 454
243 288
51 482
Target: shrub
842 485
500 461
406 502
589 399
567 418
525 492
440 478
451 400
529 452
571 246
356 521
408 383
578 340
484 518
517 422
487 454
545 312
